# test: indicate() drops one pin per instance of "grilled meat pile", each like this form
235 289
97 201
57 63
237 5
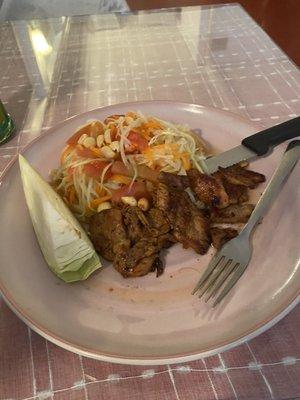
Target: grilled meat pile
133 238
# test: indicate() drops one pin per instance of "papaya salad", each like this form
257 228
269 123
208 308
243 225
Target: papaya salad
105 161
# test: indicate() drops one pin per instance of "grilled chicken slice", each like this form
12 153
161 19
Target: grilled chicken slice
224 187
108 233
159 227
139 259
149 233
208 189
236 193
233 214
189 224
191 229
238 175
161 197
172 180
151 236
222 235
134 220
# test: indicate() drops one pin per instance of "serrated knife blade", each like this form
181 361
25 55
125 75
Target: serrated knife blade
256 145
230 157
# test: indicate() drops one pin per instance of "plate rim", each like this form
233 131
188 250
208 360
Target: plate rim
142 360
164 360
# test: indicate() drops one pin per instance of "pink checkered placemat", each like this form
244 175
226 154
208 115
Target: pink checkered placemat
215 56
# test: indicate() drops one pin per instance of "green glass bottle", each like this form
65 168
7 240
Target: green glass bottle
6 125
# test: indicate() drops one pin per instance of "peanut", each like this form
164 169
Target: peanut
129 200
82 137
100 140
106 205
107 136
89 142
115 146
107 152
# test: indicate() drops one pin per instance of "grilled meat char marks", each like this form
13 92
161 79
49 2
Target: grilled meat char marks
108 233
131 239
236 193
138 260
134 221
143 255
220 236
238 175
174 181
189 224
233 214
208 189
224 187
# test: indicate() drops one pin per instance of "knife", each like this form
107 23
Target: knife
253 146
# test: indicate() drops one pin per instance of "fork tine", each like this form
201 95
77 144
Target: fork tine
232 281
216 273
226 271
212 277
211 266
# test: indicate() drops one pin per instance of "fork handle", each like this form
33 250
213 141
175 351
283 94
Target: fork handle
288 162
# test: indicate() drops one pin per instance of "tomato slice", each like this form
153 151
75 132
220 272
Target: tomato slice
144 172
147 173
95 168
96 128
125 180
119 168
138 141
137 190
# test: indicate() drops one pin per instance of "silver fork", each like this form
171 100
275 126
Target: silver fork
229 264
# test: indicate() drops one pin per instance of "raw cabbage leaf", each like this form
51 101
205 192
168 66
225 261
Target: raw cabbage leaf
65 245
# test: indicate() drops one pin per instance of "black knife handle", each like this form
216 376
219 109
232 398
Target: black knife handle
261 142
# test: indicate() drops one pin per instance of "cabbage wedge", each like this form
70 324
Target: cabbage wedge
66 247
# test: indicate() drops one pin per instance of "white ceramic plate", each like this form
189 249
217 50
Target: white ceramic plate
150 320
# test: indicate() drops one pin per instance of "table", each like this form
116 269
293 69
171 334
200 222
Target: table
216 56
